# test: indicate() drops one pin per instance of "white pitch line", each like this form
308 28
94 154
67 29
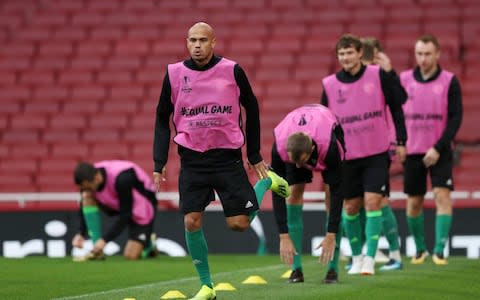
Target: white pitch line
174 281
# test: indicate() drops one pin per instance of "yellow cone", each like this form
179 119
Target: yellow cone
173 295
254 280
287 274
128 298
224 286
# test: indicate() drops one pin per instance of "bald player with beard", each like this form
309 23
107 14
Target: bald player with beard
204 94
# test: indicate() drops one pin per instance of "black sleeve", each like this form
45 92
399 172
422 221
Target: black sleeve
455 115
252 122
124 185
395 96
324 100
161 141
279 203
332 176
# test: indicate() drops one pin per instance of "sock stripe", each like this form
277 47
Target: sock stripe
374 213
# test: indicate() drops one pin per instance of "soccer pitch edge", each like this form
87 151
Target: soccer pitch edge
175 282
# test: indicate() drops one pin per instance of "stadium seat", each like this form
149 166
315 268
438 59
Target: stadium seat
108 121
107 151
68 121
72 77
21 136
363 29
40 151
78 151
61 135
29 121
469 132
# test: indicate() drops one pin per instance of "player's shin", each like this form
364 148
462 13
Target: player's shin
198 249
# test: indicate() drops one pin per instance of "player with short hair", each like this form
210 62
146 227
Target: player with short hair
122 189
308 139
433 114
358 95
373 54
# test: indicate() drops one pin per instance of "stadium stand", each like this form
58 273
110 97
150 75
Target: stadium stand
80 79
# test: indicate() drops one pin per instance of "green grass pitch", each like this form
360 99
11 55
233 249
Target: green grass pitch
115 278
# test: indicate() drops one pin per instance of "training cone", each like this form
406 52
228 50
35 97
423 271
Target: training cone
286 274
254 280
129 299
224 286
173 295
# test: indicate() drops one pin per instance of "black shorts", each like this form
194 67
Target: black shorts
289 171
140 233
368 174
198 184
415 173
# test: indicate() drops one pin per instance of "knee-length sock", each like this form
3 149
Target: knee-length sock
295 230
197 247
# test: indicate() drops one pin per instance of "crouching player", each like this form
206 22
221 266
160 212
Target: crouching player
308 139
122 189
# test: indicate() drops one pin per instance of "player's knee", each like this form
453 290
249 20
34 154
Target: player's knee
192 223
239 224
414 208
350 208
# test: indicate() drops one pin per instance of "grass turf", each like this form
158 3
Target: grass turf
115 278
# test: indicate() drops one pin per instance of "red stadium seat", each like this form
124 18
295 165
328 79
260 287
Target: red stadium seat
78 151
40 151
29 121
108 121
469 132
104 151
68 121
101 135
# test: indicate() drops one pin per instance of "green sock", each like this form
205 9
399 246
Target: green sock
353 230
197 246
390 228
91 215
146 251
416 227
373 228
363 221
333 264
442 229
295 230
260 188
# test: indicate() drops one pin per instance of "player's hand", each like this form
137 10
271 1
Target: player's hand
159 177
328 248
78 241
431 157
383 61
401 152
261 169
287 250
